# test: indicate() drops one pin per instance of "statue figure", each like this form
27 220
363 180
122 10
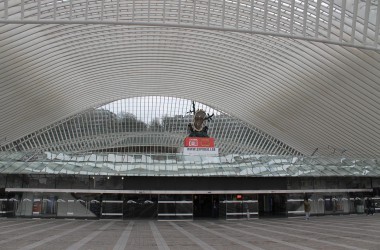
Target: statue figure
197 128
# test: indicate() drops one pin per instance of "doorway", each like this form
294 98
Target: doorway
272 205
205 206
140 206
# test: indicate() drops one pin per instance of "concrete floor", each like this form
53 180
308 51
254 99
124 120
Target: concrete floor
327 232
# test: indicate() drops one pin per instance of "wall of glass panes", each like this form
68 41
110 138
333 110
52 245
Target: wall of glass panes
177 207
239 206
330 203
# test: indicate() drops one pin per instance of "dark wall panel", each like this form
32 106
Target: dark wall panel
184 183
203 183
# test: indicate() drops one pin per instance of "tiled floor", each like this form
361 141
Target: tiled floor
328 232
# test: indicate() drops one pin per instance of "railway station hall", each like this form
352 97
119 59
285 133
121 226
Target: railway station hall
189 110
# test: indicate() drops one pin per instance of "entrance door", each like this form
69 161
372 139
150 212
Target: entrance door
112 206
206 206
272 205
175 207
8 207
48 206
140 206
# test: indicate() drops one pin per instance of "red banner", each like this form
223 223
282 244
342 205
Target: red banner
199 142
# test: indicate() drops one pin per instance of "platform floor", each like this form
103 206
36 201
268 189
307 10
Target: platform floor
326 232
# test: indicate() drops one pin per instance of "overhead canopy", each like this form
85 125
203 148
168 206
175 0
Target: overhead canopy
305 72
182 165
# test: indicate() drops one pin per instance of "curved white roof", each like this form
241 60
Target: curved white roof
306 72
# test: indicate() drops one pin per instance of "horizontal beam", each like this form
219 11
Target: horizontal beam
106 191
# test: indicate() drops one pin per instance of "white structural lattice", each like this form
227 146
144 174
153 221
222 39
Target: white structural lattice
349 22
305 72
146 125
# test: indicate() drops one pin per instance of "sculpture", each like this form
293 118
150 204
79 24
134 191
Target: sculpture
197 128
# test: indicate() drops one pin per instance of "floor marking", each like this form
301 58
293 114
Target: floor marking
199 242
305 238
22 235
89 237
53 237
18 229
362 224
327 229
242 243
122 242
161 243
267 238
17 224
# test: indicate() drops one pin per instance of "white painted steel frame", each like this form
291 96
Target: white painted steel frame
102 130
305 72
307 15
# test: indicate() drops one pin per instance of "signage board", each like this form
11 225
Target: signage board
204 151
195 142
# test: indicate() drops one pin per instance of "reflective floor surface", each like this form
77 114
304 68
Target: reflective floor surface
327 232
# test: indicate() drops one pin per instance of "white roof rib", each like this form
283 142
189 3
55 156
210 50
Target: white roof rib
307 74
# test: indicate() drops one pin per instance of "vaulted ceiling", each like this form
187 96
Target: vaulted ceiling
305 72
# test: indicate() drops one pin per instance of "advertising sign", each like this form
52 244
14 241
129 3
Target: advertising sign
211 151
199 142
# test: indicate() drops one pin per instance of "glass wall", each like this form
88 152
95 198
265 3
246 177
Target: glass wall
326 203
112 206
238 206
140 206
181 207
8 207
69 201
175 207
206 206
272 205
65 205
